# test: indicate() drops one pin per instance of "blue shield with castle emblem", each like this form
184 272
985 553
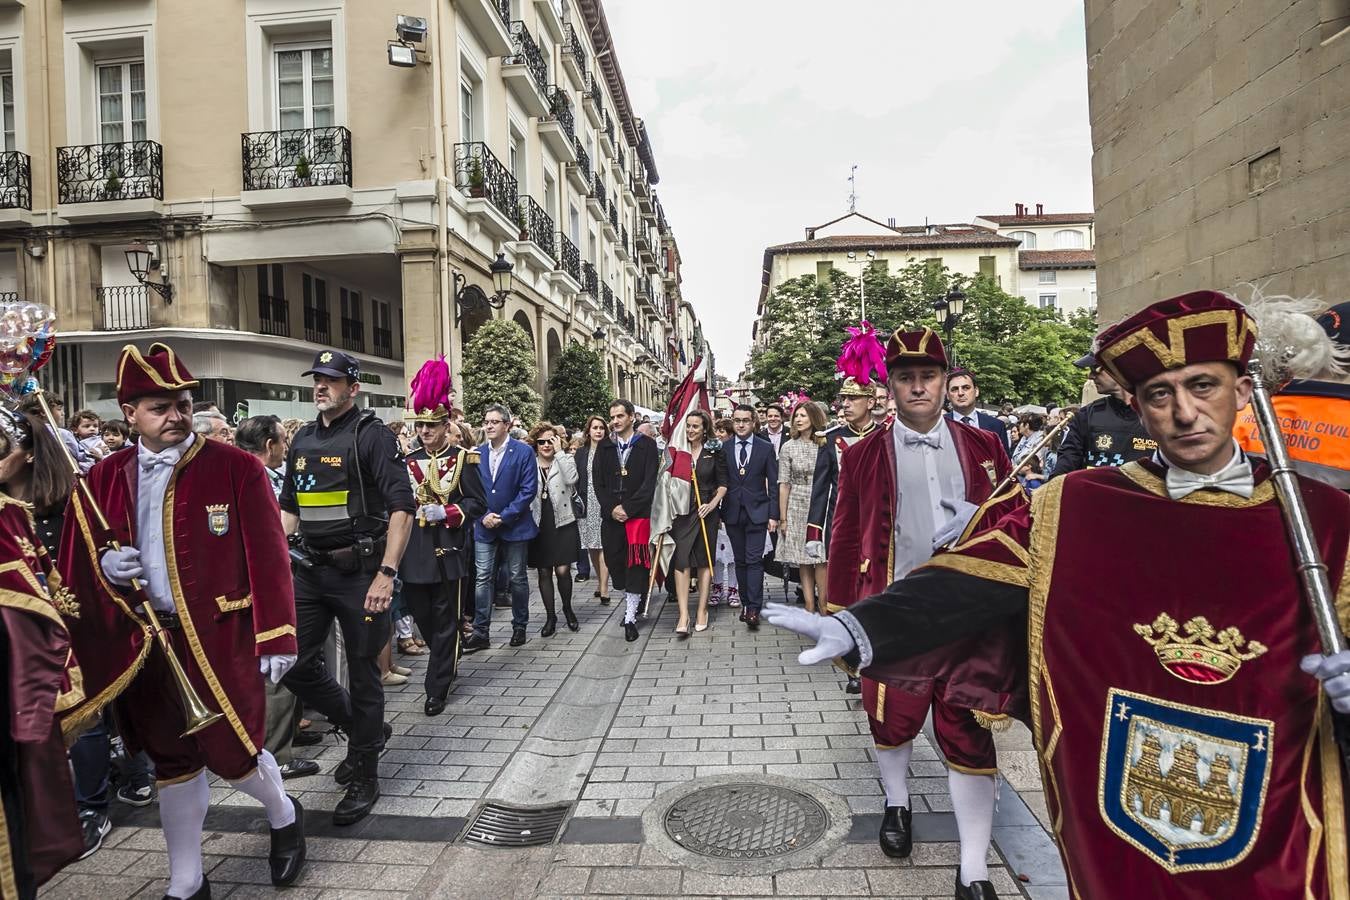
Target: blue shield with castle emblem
1183 784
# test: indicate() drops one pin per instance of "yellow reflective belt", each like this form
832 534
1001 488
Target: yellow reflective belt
321 498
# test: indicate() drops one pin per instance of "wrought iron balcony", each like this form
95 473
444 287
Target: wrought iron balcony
573 46
618 154
613 217
316 325
16 181
125 307
527 54
92 173
479 173
569 257
560 111
583 159
609 127
643 287
536 225
590 282
598 189
383 342
607 299
274 315
623 231
353 335
503 8
297 157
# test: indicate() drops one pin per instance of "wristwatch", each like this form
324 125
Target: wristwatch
388 571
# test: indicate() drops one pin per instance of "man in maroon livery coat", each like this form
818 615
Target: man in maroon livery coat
908 487
199 538
1184 752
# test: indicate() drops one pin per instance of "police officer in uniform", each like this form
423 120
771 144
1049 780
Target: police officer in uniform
1106 432
348 506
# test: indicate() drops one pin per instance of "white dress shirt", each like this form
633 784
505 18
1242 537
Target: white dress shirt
924 476
153 480
495 457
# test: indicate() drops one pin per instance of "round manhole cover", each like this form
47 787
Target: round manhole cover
746 821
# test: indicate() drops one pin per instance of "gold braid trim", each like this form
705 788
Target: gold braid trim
9 884
995 722
75 723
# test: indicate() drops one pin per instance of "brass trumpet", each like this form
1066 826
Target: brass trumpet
198 714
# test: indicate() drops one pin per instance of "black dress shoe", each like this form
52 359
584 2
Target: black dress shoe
434 706
630 631
854 686
572 623
347 768
475 643
362 791
752 620
288 849
299 768
202 893
501 601
307 737
744 613
604 601
550 627
517 637
976 890
896 838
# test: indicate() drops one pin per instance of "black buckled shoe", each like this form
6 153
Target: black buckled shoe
362 791
854 686
895 837
571 617
976 890
202 893
434 706
630 631
288 849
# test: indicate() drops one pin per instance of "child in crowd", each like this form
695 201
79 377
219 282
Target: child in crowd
86 428
1031 473
115 435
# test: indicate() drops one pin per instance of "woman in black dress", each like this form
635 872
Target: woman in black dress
695 532
558 543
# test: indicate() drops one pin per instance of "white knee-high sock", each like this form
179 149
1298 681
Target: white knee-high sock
265 786
182 810
632 600
894 766
973 802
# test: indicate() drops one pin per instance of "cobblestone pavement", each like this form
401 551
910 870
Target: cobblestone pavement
584 721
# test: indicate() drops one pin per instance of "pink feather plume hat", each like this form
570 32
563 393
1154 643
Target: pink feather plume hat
430 397
861 356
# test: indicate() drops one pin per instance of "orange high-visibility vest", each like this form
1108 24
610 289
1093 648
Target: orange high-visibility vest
1314 418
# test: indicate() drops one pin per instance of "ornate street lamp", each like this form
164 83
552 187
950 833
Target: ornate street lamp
949 310
139 262
471 298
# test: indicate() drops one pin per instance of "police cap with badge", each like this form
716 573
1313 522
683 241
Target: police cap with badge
334 364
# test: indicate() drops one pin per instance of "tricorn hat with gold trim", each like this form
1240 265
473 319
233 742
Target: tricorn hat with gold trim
159 371
915 347
429 398
1202 326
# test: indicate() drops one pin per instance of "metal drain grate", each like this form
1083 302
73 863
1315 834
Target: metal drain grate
505 826
746 821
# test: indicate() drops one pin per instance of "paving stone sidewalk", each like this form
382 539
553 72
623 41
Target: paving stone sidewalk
607 728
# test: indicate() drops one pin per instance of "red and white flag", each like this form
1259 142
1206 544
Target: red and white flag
674 484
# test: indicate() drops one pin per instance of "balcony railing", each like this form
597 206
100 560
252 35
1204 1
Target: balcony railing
503 8
536 225
16 181
598 189
618 154
643 287
572 44
609 127
569 257
479 173
316 325
92 173
353 334
528 54
560 110
613 217
274 315
589 280
607 299
583 158
297 157
384 342
623 233
125 307
593 91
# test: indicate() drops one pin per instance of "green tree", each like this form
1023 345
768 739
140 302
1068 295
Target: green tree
577 388
499 367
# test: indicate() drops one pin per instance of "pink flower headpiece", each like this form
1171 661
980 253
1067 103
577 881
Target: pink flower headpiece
792 399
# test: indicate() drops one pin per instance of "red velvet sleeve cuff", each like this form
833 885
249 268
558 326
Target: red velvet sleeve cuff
454 516
276 642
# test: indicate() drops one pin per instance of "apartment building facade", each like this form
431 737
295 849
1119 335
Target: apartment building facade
1056 256
289 189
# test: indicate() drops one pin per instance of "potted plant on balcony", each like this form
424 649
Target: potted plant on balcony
112 185
475 178
302 172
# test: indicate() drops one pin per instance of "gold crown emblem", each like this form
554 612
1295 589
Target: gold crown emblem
1199 654
325 357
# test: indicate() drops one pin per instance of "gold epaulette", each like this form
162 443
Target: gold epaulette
472 456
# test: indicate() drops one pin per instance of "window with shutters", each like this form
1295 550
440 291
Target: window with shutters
987 268
353 321
314 294
1047 278
1027 238
823 270
273 310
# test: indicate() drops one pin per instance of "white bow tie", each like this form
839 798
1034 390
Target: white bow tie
1236 479
152 461
913 440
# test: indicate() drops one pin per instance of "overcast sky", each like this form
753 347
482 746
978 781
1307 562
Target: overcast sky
758 108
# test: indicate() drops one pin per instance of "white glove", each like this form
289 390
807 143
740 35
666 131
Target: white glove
1334 673
120 566
275 666
962 513
432 512
831 637
815 549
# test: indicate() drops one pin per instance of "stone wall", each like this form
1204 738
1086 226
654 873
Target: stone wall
1221 147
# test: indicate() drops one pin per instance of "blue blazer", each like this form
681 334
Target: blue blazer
510 494
988 423
752 498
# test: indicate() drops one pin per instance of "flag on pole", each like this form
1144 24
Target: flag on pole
674 483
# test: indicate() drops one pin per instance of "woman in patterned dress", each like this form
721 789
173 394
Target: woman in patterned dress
594 432
796 466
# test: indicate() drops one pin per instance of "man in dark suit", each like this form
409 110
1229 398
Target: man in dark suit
962 392
750 508
626 465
